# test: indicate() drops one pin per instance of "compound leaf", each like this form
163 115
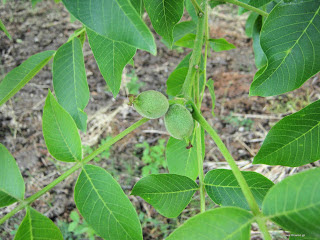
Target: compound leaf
164 15
294 203
223 188
111 56
290 39
169 194
221 223
294 140
11 182
104 205
115 19
60 132
70 81
3 28
180 160
19 76
37 226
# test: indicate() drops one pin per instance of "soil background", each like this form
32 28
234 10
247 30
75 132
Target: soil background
242 121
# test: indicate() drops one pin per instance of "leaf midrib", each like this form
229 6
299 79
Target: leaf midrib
221 186
285 213
163 193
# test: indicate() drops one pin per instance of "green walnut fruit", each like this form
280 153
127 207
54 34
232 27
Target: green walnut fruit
179 122
151 104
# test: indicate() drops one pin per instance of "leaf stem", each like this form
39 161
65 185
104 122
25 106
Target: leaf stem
206 39
236 171
246 6
195 57
74 168
197 7
200 169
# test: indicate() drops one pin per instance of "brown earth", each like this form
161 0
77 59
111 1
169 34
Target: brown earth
242 121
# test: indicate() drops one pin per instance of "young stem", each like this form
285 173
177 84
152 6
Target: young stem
199 150
197 7
200 169
99 150
246 6
195 57
206 42
236 171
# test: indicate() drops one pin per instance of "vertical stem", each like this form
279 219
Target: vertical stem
195 57
236 171
200 168
199 149
206 42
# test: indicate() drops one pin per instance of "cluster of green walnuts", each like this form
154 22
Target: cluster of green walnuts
177 118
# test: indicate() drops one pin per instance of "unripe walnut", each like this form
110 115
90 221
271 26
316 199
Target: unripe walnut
179 122
151 104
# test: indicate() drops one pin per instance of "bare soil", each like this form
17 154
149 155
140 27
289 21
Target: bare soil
242 121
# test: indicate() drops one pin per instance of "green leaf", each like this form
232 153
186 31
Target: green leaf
180 160
217 45
70 81
115 19
19 76
214 3
220 223
258 3
177 77
294 203
192 12
254 3
81 36
220 44
294 140
37 226
169 194
259 56
186 41
183 28
111 56
210 85
60 132
176 81
223 188
11 182
164 15
185 61
250 23
138 5
3 28
104 205
290 39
